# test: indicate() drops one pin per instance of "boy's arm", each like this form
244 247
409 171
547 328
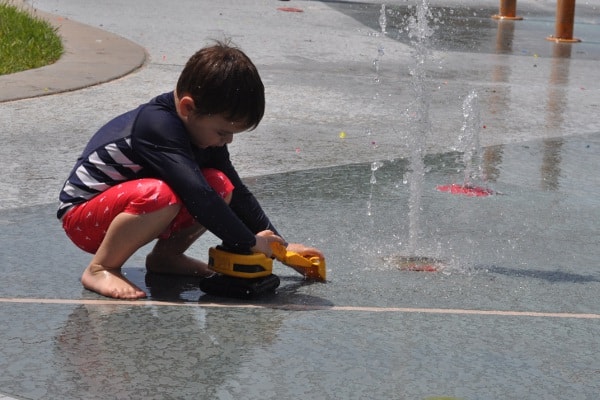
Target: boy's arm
243 203
170 159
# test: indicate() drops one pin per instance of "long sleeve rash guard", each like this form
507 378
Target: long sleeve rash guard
151 141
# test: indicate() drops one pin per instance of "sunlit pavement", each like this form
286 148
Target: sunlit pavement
512 310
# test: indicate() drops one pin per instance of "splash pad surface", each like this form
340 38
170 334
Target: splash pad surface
503 291
513 314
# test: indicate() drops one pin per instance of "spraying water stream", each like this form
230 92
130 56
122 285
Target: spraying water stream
375 165
418 116
414 255
419 33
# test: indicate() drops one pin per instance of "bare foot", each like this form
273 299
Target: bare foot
177 265
110 283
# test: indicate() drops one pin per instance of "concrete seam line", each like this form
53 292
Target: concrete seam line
303 307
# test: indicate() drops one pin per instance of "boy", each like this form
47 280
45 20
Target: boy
163 171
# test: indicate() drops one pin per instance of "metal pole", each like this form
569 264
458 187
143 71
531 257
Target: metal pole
508 10
565 16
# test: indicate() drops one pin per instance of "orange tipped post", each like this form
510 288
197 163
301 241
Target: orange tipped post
508 10
565 17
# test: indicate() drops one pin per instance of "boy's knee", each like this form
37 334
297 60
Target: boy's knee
219 182
151 195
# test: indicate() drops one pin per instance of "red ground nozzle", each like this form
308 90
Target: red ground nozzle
416 264
466 190
416 267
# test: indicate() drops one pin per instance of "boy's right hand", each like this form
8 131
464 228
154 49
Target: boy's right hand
263 242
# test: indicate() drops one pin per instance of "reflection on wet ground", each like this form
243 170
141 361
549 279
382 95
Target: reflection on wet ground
519 267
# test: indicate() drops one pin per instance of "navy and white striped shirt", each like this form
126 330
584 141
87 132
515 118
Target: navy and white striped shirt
151 141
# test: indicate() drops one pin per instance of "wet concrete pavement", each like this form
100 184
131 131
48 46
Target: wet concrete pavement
513 314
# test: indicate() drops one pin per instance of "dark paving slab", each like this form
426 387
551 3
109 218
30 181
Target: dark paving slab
512 315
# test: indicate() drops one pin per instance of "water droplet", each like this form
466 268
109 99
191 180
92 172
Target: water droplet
375 165
382 19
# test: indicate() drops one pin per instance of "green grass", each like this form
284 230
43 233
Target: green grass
26 42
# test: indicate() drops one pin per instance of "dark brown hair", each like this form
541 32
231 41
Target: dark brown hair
221 79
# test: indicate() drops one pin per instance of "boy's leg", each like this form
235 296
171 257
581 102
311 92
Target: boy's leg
125 235
116 223
167 256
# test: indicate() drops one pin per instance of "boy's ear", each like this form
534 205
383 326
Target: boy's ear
186 106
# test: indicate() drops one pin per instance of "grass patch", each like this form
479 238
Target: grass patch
26 42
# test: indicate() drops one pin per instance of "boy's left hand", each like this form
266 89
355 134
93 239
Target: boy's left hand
305 251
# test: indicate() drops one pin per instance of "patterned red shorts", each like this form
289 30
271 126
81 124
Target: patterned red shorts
86 224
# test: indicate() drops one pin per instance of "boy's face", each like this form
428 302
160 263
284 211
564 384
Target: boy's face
212 130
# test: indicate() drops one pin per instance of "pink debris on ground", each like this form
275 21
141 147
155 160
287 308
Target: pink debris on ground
290 9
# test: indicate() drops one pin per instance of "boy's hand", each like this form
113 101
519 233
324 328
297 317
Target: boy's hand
263 242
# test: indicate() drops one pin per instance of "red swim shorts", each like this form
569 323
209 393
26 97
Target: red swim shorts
86 224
